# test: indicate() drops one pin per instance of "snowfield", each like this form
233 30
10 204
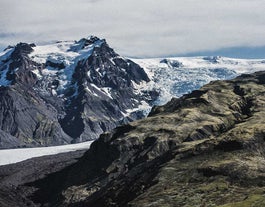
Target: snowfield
9 156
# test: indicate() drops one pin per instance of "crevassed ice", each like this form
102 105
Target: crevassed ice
193 73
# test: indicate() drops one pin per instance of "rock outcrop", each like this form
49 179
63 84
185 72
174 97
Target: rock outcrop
203 149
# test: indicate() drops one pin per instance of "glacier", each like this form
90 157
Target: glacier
176 76
10 156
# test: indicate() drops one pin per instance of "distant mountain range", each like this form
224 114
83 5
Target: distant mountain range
72 91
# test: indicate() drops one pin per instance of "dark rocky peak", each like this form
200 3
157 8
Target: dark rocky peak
19 55
20 65
105 68
16 65
22 50
101 81
85 42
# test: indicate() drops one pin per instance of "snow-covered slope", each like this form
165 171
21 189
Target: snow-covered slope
173 77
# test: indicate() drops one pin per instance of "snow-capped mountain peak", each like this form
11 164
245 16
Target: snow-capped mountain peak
72 91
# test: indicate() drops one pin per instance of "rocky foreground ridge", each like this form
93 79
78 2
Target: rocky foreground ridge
203 149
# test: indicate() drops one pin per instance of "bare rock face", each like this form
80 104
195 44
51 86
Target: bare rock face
27 118
203 149
7 140
66 92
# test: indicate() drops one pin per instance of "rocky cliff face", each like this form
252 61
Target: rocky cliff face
66 92
203 149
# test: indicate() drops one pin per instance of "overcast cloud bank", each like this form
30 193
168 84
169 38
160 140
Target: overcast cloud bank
134 28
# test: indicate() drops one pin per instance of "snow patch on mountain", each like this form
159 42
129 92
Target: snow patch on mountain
58 51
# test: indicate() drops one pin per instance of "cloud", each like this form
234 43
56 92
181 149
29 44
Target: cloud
137 28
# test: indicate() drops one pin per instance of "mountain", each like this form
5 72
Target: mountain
205 148
66 92
72 91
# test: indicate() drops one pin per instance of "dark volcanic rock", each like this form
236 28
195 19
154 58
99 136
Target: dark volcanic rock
20 66
25 116
203 149
8 141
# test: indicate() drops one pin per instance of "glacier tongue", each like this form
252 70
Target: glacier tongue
9 156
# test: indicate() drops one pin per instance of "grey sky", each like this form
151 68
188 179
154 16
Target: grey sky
137 28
